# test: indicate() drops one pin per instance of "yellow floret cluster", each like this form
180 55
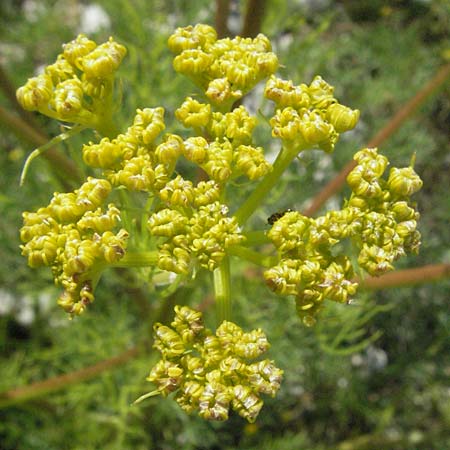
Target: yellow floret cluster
78 87
379 219
308 116
211 373
75 236
225 69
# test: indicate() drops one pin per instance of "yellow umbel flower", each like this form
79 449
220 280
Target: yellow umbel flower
79 87
212 373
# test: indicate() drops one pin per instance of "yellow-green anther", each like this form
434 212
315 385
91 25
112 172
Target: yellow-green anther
75 50
342 118
193 114
188 396
36 93
404 182
104 60
168 223
308 305
178 192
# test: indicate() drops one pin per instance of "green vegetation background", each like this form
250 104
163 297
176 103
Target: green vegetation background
373 375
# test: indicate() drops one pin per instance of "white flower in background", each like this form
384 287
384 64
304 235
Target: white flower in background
33 10
93 18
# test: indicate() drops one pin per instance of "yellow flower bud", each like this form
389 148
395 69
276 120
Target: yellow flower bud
342 118
169 151
149 122
219 91
193 114
36 93
105 154
68 98
196 149
404 182
321 93
177 192
167 222
104 60
74 50
60 71
205 193
167 341
192 62
284 93
313 128
191 38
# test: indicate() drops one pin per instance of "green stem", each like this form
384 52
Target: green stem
284 158
252 256
222 288
137 259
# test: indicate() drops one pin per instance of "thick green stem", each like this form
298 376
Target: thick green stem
222 288
284 158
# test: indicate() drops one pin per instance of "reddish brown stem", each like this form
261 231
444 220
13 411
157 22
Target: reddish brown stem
392 126
53 384
24 131
222 11
407 277
254 16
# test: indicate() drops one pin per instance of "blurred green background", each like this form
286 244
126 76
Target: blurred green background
374 375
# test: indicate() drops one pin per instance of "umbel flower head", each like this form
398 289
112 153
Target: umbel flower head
308 116
78 87
226 69
211 373
75 235
379 219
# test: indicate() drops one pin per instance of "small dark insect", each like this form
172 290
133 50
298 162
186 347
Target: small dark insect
276 216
